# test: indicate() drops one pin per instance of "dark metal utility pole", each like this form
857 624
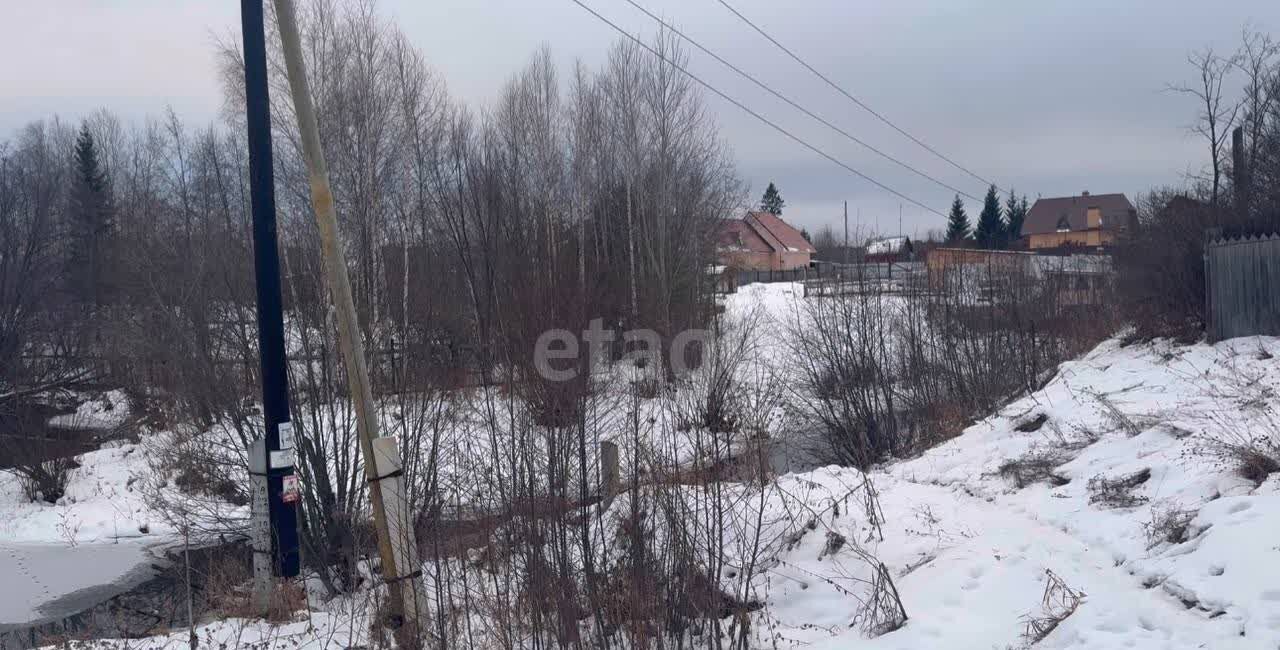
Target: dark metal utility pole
266 258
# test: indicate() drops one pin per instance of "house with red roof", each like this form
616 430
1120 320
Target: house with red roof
761 241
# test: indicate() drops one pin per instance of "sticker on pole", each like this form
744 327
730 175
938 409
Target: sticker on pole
282 459
291 492
286 435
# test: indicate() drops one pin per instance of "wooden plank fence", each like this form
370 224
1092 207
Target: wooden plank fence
1242 286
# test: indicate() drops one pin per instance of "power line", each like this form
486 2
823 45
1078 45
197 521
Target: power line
855 100
798 107
754 114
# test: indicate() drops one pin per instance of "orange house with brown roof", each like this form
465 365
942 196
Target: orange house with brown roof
1088 220
762 241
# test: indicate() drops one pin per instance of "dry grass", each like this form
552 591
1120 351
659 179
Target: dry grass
1058 602
1037 465
1118 492
1170 524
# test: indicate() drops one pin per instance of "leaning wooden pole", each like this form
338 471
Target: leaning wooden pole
401 575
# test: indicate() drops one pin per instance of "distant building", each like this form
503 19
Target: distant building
1088 221
890 249
762 241
1070 280
942 262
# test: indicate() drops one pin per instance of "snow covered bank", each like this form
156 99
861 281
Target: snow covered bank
103 503
1118 412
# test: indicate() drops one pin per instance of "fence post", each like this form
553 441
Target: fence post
1209 326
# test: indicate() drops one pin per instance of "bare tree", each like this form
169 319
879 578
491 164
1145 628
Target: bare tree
1217 114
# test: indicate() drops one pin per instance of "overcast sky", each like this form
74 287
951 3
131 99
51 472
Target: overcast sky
1049 98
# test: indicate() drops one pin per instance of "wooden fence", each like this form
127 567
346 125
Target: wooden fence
1242 286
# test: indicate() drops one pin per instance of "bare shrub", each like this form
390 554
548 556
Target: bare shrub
847 383
1169 524
835 542
1241 436
1058 602
1038 464
1117 417
716 397
224 584
41 456
1118 492
1256 463
1244 435
890 368
646 387
47 480
883 611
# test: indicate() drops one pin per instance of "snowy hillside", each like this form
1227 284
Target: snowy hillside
971 549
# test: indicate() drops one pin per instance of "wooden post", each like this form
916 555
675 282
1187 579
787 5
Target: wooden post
397 553
1208 293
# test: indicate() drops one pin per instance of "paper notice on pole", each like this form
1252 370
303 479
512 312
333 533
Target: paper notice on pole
286 435
291 491
282 459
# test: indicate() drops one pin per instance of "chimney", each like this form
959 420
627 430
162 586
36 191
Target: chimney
1085 193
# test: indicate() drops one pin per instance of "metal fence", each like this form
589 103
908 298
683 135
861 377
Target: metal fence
769 275
828 270
1242 286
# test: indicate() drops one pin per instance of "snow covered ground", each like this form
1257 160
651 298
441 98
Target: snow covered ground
970 548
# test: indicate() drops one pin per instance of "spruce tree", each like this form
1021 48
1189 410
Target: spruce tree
958 226
805 233
1015 213
990 231
90 222
1023 211
772 201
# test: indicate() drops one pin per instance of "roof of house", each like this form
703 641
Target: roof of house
782 236
761 232
736 235
1071 213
